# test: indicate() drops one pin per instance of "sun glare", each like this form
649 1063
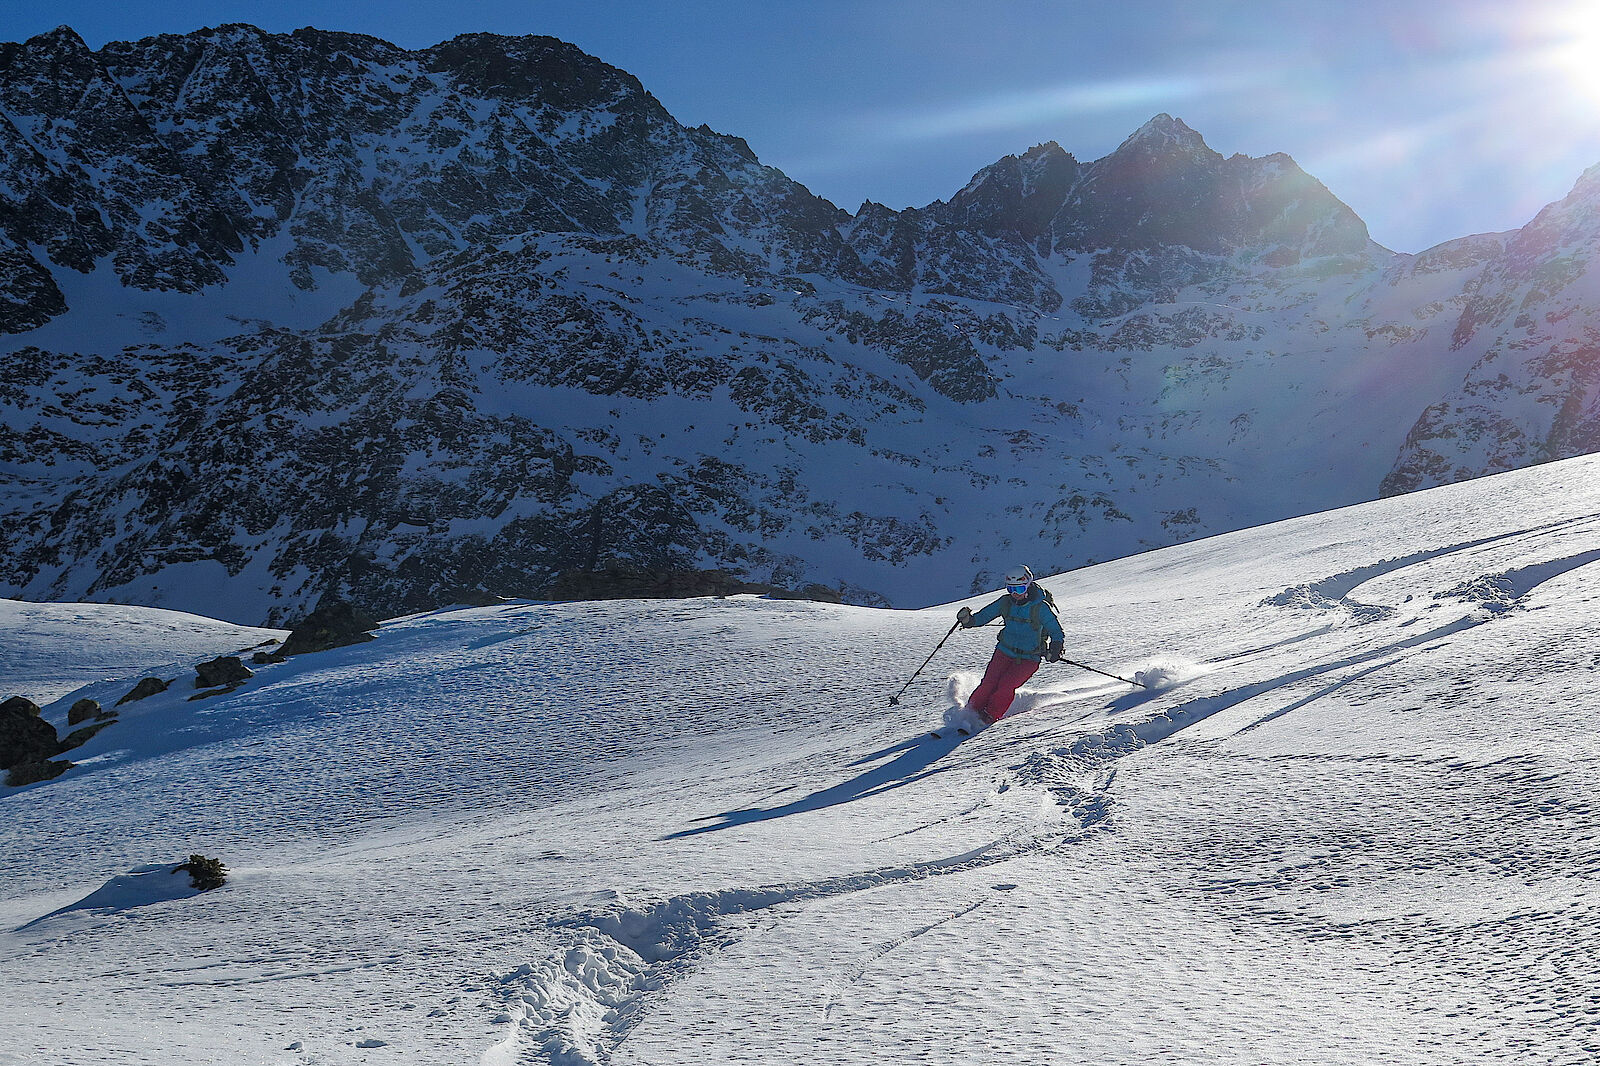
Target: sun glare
1575 48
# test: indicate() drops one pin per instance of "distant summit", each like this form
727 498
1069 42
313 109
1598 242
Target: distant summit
1164 133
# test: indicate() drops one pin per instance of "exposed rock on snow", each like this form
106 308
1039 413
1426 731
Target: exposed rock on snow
335 624
28 744
223 670
79 737
83 710
20 706
24 736
144 689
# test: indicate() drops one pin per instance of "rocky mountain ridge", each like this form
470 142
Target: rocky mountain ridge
290 316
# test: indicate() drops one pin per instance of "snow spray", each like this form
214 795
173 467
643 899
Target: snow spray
1167 671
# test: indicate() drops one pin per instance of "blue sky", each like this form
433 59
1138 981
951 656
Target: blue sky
1431 119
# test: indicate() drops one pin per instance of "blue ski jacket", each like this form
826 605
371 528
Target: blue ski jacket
1029 624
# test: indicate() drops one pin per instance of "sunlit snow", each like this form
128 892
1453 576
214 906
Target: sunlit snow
1352 819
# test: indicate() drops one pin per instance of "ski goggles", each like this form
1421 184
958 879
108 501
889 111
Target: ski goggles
1017 590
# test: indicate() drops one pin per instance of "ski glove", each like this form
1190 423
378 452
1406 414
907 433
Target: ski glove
1053 652
964 616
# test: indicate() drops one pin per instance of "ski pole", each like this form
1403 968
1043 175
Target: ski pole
1102 673
895 699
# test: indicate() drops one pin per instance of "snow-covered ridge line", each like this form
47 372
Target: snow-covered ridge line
411 328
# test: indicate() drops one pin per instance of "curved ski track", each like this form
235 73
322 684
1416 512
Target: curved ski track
578 1006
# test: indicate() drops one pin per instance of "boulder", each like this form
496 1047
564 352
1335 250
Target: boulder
30 773
223 670
78 737
84 710
334 624
148 687
19 705
24 736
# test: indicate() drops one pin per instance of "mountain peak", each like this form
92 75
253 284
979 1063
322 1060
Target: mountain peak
61 39
1017 194
1165 131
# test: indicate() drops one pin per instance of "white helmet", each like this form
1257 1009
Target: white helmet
1019 576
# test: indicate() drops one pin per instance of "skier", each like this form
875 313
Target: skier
1031 631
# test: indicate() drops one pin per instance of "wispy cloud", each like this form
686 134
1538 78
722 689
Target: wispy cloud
1027 107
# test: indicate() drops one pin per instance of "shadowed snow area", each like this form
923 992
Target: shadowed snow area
1353 818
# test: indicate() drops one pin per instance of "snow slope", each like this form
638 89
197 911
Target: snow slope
50 649
1356 824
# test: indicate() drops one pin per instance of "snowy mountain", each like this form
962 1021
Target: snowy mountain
291 316
1532 319
1352 822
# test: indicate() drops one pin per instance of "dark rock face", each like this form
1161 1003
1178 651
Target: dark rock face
617 582
1019 195
223 670
1164 188
332 625
69 104
1533 396
29 297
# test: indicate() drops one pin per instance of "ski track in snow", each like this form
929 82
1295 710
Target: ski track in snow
1369 839
1078 777
582 1005
859 970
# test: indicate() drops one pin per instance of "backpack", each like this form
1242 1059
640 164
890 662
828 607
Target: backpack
1032 617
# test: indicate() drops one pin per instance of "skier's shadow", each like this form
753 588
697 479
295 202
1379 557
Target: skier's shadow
914 763
1138 697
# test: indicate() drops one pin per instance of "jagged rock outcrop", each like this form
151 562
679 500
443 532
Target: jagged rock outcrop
333 624
1532 317
295 317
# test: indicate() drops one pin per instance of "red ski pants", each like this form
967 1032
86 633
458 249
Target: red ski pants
1005 675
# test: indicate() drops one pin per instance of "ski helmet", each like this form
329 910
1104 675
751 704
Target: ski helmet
1019 577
